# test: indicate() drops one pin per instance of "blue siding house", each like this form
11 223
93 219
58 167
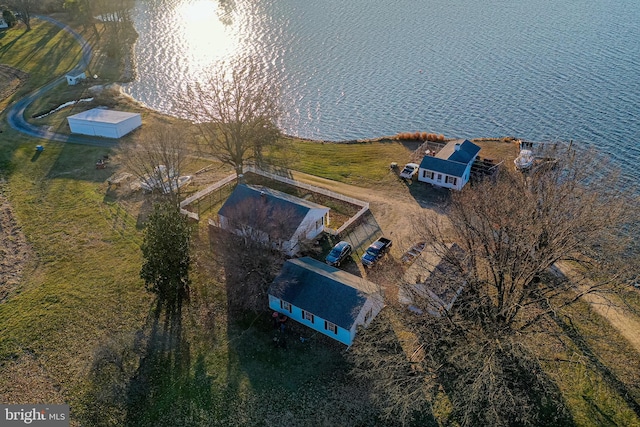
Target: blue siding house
325 298
451 166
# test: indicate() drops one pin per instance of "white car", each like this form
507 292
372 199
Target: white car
409 170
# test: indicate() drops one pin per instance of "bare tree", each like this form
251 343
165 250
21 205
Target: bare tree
249 248
513 230
114 11
24 9
84 11
572 208
236 110
157 158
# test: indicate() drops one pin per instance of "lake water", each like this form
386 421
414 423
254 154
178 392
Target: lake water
534 69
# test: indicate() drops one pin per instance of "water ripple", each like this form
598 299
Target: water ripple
537 69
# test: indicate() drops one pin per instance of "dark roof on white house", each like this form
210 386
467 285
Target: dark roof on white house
451 161
325 291
443 166
255 204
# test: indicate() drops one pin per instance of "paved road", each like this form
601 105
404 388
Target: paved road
15 113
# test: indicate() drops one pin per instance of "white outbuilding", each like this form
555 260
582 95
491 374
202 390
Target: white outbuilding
105 123
74 78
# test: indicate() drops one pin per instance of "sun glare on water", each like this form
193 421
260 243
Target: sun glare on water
206 38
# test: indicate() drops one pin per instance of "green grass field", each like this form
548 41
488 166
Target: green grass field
45 52
364 164
80 328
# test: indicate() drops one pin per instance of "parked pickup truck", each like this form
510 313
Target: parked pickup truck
375 251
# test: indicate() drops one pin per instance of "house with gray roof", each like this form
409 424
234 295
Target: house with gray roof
273 217
324 298
451 166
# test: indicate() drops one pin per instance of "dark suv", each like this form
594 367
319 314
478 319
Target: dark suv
339 253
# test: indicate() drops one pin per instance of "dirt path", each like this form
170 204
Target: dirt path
394 208
611 309
395 205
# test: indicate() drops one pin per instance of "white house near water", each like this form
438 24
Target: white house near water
74 78
451 166
273 217
325 298
105 123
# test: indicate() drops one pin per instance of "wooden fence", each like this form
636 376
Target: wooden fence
207 197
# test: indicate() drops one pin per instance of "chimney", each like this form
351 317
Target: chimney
457 147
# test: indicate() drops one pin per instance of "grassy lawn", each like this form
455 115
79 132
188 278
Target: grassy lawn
365 164
45 52
594 367
81 329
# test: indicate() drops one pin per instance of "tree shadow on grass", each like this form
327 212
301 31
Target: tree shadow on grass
164 391
43 42
275 378
594 361
149 378
79 162
6 47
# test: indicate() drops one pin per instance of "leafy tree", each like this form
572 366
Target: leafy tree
513 232
166 252
236 110
9 17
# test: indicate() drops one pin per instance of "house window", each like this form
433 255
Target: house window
331 327
308 316
439 177
427 174
451 180
285 306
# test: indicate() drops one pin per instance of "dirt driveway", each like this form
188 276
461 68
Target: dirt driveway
394 205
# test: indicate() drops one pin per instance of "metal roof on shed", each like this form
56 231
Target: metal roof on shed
103 115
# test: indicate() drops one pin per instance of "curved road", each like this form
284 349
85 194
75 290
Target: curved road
15 113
